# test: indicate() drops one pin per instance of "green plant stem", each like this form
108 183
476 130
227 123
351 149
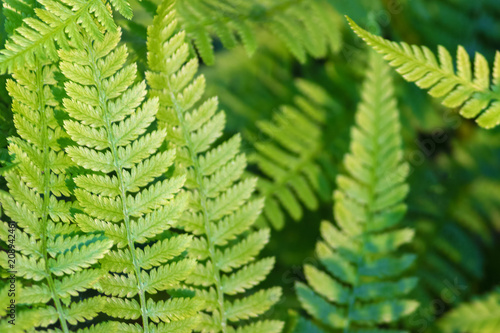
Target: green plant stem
46 192
203 203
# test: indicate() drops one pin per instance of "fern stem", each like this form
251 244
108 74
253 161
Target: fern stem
46 192
203 203
131 246
123 191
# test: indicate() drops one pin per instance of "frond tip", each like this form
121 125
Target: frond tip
364 287
469 90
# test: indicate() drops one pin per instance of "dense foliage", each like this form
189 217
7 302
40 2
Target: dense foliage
172 166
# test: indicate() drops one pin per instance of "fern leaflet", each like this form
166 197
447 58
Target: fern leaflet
469 90
54 258
364 280
120 195
220 210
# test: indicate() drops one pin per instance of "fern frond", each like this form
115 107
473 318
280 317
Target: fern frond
220 211
54 259
481 315
121 194
363 287
59 21
454 255
472 91
293 159
305 27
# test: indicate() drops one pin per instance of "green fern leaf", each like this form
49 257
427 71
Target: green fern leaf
57 20
293 159
299 324
305 27
220 209
79 258
25 320
54 259
4 299
172 309
87 309
268 326
71 285
363 287
129 204
247 277
15 11
478 316
470 91
252 306
102 328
